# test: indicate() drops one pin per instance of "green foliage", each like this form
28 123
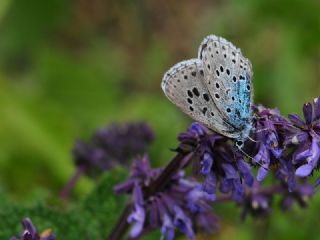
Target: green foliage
92 218
67 224
102 204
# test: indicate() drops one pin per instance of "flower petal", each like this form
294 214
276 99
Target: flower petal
316 108
198 128
296 120
262 173
314 158
262 157
29 229
307 112
306 190
226 185
245 170
230 171
238 190
183 222
304 170
298 138
206 164
304 151
167 228
137 218
210 183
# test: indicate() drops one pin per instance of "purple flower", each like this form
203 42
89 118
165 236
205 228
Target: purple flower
301 195
179 205
111 146
289 149
305 135
256 203
30 232
270 133
217 158
268 126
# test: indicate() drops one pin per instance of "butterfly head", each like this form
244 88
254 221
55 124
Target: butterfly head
244 134
239 143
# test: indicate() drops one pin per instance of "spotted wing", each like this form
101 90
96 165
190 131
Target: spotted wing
184 85
228 77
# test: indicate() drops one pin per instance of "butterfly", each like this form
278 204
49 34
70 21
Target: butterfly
214 89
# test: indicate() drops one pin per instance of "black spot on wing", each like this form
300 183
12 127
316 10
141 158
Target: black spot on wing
203 47
204 110
206 97
196 91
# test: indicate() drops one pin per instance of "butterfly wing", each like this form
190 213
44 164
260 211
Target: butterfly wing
184 85
228 77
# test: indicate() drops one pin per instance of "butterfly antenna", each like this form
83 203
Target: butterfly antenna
252 140
262 130
247 155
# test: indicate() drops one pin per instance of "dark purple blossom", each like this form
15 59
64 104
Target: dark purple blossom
305 134
269 132
256 202
217 158
111 146
286 149
181 204
267 124
300 195
30 232
269 144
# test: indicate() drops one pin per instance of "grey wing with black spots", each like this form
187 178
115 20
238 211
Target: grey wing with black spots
228 76
184 85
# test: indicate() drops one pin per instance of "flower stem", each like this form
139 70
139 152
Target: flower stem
122 225
171 169
65 193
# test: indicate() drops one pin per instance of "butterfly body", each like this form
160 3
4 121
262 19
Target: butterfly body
215 88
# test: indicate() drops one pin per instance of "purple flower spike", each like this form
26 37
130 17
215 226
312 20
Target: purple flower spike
286 149
112 146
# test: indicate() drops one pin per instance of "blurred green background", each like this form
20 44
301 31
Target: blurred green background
69 67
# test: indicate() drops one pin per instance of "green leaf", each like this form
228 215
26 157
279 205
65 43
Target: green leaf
103 205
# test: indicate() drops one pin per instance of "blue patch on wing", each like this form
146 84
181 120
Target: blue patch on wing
241 106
